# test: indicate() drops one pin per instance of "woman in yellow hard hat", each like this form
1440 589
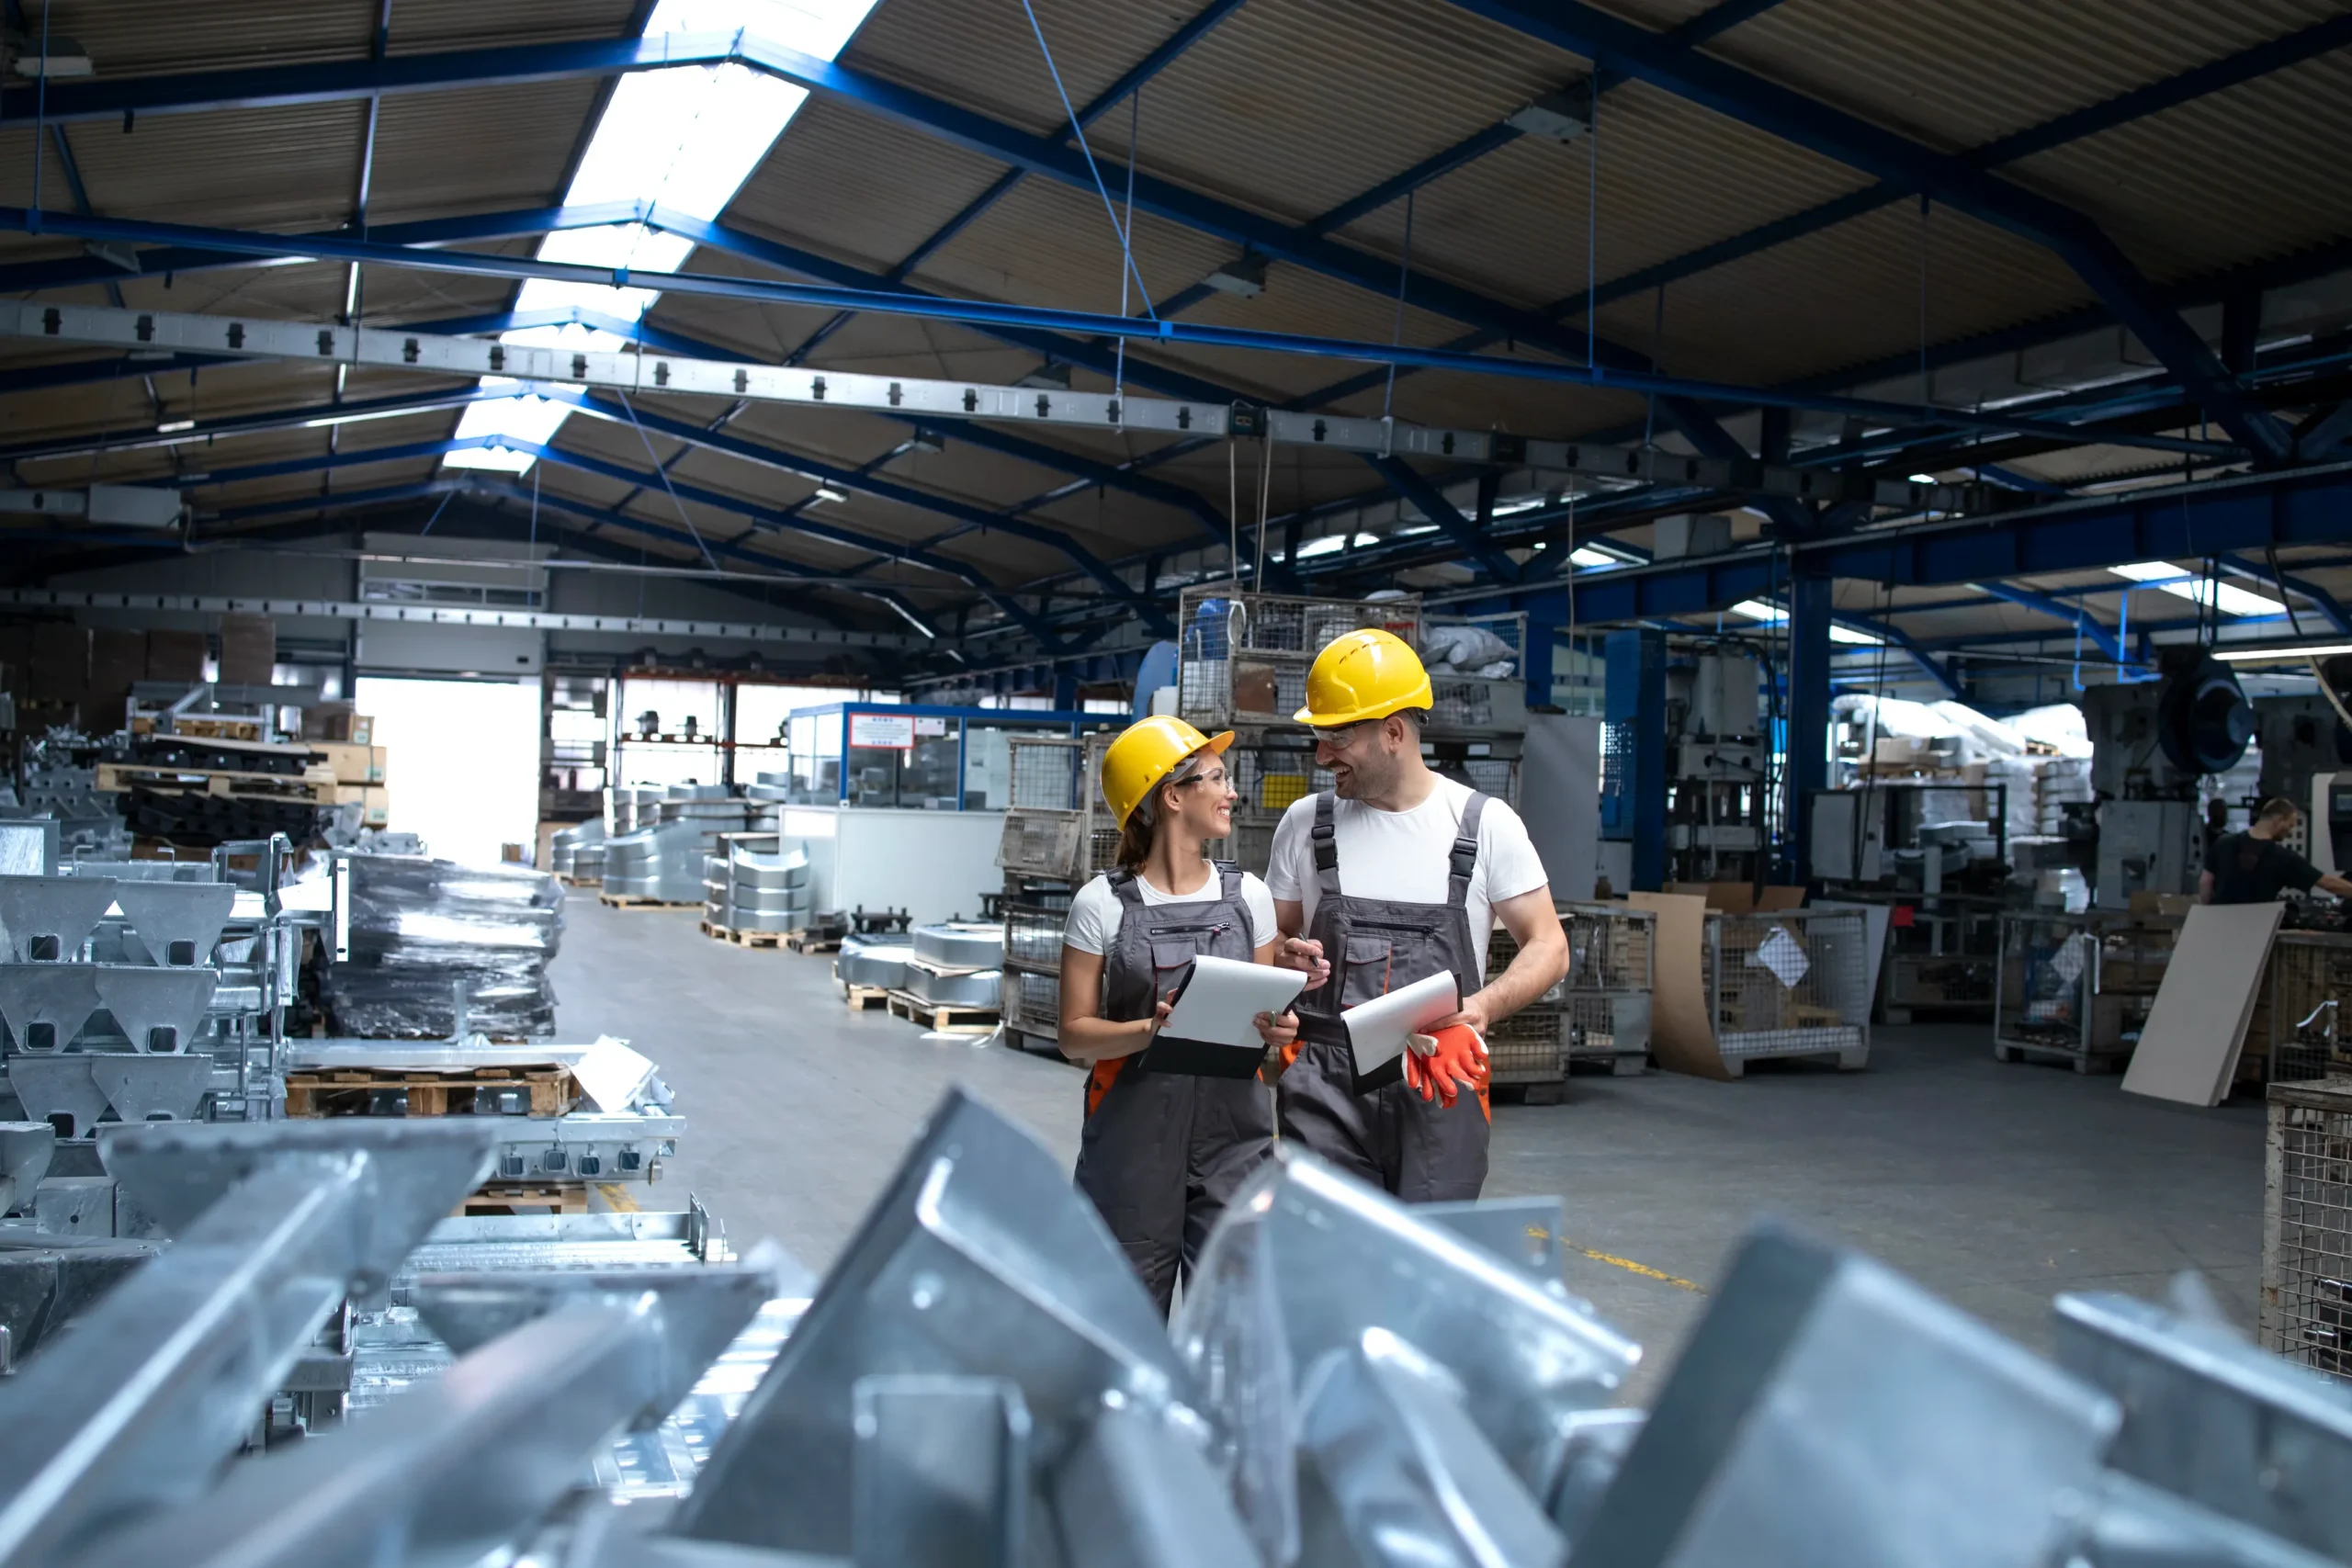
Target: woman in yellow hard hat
1163 1151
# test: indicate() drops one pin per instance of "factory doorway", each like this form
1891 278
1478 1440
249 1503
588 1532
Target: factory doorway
461 761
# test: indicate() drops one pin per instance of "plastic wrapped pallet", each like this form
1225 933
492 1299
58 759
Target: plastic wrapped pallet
421 928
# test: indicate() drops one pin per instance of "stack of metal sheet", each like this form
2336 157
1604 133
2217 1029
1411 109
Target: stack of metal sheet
980 1378
422 932
957 964
768 889
565 844
663 861
718 908
628 807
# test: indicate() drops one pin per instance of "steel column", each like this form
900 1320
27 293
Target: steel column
1805 768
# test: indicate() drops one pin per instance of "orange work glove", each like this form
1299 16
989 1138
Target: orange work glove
1455 1059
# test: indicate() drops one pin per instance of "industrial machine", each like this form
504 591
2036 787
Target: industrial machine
2151 743
1719 770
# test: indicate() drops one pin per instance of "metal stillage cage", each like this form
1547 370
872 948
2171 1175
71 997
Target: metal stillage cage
2295 1028
1031 995
1607 994
1527 1048
1792 982
1242 658
1057 825
2077 987
2306 1309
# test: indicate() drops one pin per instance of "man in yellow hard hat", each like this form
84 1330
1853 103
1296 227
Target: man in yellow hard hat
1392 876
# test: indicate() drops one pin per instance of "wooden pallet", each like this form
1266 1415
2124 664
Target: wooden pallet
204 726
631 901
507 1197
865 999
581 881
743 939
942 1018
801 941
351 1091
316 786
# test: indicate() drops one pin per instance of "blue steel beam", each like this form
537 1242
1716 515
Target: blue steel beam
2319 598
1034 326
860 480
2085 622
1805 122
2310 506
1172 49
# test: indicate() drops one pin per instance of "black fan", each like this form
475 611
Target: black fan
2203 719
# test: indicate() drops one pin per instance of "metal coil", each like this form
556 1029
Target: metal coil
773 900
878 965
789 868
768 921
966 945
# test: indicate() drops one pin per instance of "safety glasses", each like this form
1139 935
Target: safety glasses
1337 737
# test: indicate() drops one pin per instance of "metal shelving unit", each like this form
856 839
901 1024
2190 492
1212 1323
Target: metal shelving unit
1611 971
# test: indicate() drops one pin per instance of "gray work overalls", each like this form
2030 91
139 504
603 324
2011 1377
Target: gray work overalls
1413 1148
1163 1152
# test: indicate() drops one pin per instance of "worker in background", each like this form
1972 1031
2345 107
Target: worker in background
2217 826
1163 1152
2254 868
1392 875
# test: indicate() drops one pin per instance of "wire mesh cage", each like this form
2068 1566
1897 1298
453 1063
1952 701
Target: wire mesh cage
1607 994
2306 1304
1476 666
2295 1027
1242 658
1527 1047
1032 1002
1032 935
1793 983
1058 825
2077 988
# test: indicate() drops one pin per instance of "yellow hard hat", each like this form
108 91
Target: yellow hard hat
1360 675
1145 753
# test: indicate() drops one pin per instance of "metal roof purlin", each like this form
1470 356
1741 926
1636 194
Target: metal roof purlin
1752 100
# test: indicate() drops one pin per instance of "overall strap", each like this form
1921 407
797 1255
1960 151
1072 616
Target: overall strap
1463 859
1325 839
1124 887
1228 880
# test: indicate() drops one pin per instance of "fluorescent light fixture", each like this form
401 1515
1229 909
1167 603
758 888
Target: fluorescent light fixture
1849 634
2280 655
174 426
1331 542
1416 528
1925 479
1584 555
685 139
1518 504
827 492
2229 598
1561 115
1757 610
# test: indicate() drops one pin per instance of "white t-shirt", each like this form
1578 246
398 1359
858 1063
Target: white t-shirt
1095 912
1404 855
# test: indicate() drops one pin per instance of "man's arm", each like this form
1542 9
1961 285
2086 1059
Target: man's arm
1291 949
1543 959
2331 883
2205 888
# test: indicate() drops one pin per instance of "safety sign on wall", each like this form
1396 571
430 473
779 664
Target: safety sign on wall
883 731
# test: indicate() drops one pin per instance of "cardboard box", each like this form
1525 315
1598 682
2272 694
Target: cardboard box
335 721
352 764
61 664
375 798
176 656
248 650
2145 903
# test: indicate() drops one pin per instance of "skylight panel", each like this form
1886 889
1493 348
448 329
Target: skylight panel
684 139
2227 597
1757 610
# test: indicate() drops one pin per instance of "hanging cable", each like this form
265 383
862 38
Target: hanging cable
1397 328
1135 133
1265 502
1593 215
1927 206
1657 355
1126 251
40 112
1233 511
664 475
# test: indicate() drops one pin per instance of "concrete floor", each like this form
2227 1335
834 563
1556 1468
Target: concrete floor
1996 1186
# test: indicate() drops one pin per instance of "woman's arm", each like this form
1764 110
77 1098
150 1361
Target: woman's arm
1086 1035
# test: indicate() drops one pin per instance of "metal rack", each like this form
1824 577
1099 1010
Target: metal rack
1058 826
2077 989
1242 658
1794 983
1034 913
1526 1053
2306 1302
1611 971
2296 1031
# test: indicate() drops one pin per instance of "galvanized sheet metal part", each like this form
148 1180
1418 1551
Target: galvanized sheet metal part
157 1009
880 965
178 922
47 919
978 988
45 1004
959 945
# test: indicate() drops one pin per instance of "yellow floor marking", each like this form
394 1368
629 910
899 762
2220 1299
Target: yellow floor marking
1537 1233
618 1199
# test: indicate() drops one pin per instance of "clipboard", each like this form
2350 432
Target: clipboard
1377 1029
1209 1032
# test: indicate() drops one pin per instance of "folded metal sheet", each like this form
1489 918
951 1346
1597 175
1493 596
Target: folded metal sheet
982 989
159 1010
178 922
788 867
980 1260
47 919
46 1005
